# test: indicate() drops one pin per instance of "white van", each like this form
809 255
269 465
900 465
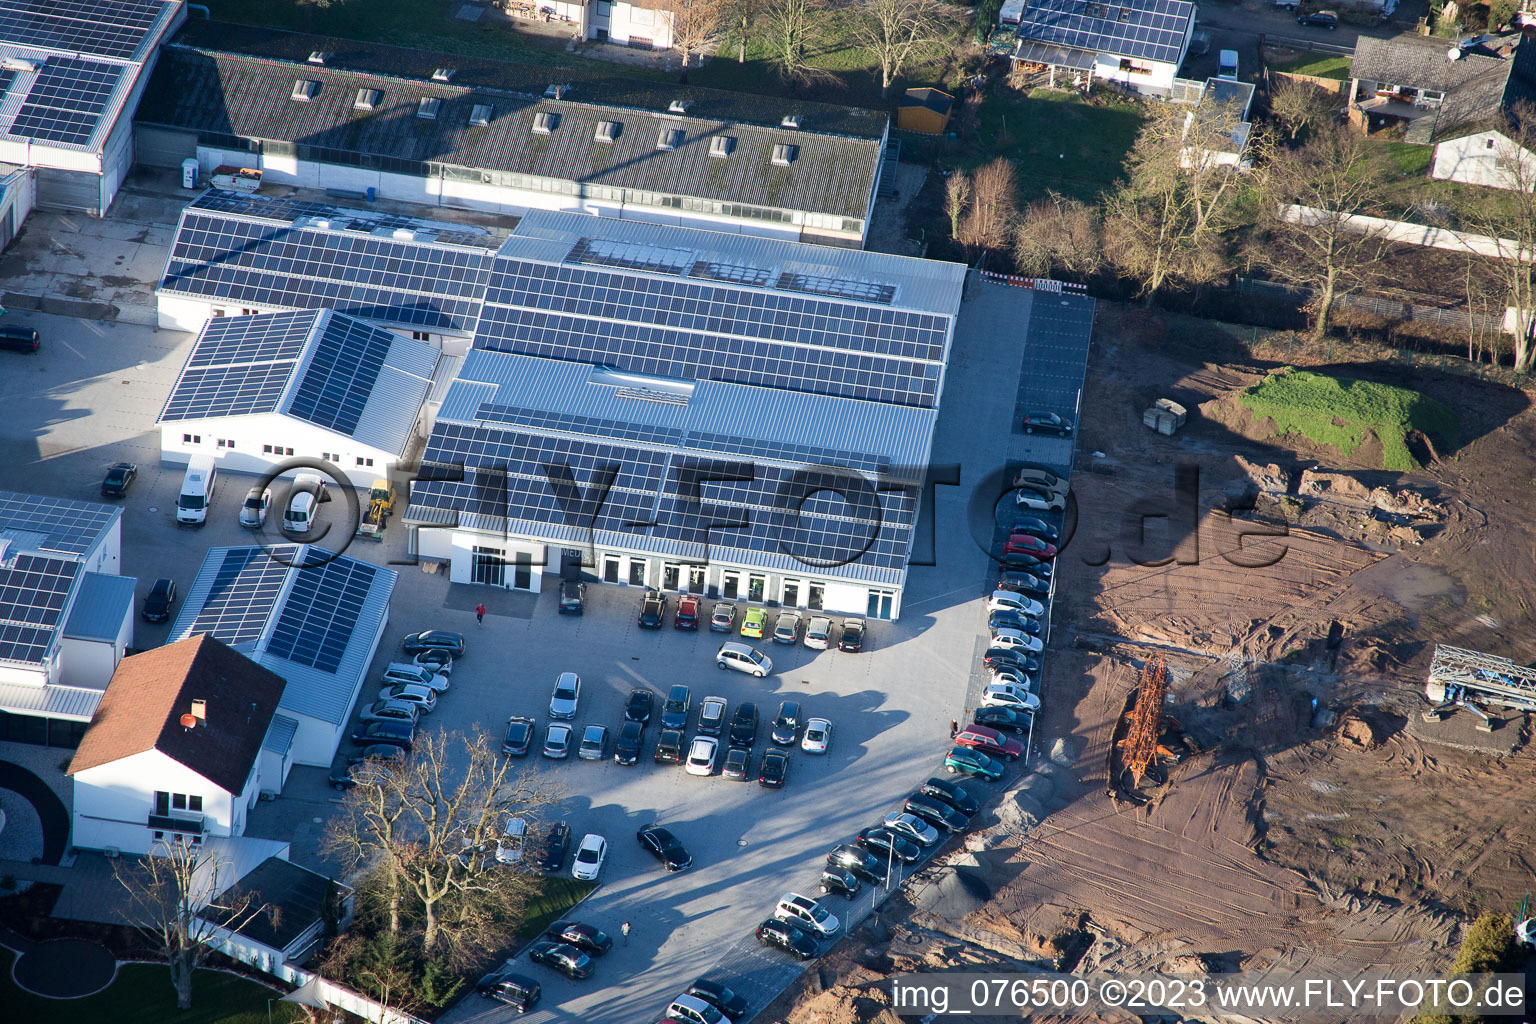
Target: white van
303 499
1227 65
196 490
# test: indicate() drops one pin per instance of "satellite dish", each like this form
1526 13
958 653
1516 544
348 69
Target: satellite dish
189 721
1454 53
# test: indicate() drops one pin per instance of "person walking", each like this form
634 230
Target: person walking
480 614
624 931
954 728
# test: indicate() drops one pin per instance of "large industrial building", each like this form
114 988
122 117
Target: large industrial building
692 411
480 134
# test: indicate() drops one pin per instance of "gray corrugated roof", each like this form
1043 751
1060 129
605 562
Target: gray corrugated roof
279 737
208 90
74 703
101 604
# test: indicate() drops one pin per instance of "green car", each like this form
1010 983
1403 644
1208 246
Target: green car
754 623
973 763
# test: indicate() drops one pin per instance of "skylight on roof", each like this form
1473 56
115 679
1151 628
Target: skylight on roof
607 131
545 122
319 57
480 116
428 107
602 252
304 90
669 138
367 99
443 75
784 154
678 107
722 146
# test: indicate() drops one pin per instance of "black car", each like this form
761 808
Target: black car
626 749
732 1004
937 813
674 711
1024 583
1014 720
787 937
397 733
951 793
1005 618
786 725
1046 423
519 992
857 860
664 846
435 640
518 736
1036 527
341 777
1009 657
573 597
119 478
840 881
736 761
1019 561
158 602
775 768
852 639
380 753
1320 19
744 725
653 610
551 849
639 707
669 747
583 936
568 960
883 841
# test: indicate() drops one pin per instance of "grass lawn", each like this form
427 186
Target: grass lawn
1318 65
556 897
142 994
1340 411
1057 141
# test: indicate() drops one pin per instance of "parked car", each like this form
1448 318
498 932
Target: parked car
653 610
912 827
552 848
638 707
754 622
818 735
1039 527
665 847
397 672
583 936
568 960
1039 501
1040 479
990 741
686 1009
674 710
1046 423
1026 583
594 743
435 640
1320 19
701 755
566 696
840 882
737 761
517 991
807 913
977 765
774 769
885 843
859 861
1011 657
818 633
573 597
626 748
255 507
1017 678
786 629
512 841
743 659
937 813
1005 618
398 733
589 857
1017 640
730 1003
744 725
18 338
712 716
952 794
1022 561
440 662
788 937
380 754
669 747
1028 544
723 618
390 711
557 741
118 479
1008 599
1008 695
159 601
852 639
423 697
687 615
1004 717
786 724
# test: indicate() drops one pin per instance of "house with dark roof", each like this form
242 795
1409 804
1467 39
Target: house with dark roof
174 750
1136 43
481 134
295 904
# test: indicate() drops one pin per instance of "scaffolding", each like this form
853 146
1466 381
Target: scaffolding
1138 750
1461 677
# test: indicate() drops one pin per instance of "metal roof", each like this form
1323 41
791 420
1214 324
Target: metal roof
101 605
47 525
1142 29
73 703
279 738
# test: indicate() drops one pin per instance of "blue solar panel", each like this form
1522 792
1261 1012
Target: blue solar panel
33 592
108 28
245 589
319 614
228 390
1146 29
252 339
70 527
341 374
66 101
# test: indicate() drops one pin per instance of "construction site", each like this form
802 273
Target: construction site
1286 728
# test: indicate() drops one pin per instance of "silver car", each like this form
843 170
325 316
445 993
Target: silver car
818 635
423 697
911 826
786 630
562 703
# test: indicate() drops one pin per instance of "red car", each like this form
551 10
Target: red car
990 741
687 615
1023 543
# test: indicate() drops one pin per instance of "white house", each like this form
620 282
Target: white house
1137 43
257 391
296 904
173 752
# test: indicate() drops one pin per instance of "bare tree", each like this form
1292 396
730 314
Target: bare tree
696 26
957 196
1164 223
429 829
896 29
787 24
1301 106
1510 217
1058 235
311 6
182 897
1312 197
988 221
740 14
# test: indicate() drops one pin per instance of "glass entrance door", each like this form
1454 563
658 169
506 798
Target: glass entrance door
791 594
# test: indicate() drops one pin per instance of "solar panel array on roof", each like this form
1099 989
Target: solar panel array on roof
66 101
106 28
244 590
252 339
69 527
1146 29
321 612
33 591
237 390
341 374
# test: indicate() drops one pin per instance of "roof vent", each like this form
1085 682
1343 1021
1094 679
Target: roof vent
403 235
319 57
304 90
784 154
669 138
557 91
607 131
790 121
367 99
1454 53
428 107
480 115
443 74
17 64
544 122
722 145
678 107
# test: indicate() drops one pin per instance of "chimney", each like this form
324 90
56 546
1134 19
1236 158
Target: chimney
200 710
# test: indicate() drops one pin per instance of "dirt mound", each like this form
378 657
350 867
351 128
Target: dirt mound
1359 731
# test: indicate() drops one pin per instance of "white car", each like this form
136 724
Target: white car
806 912
911 826
509 848
701 755
818 634
589 857
253 513
403 672
818 733
1039 501
786 629
1040 480
424 697
743 658
562 703
1016 678
1002 600
440 662
693 1010
1009 696
1017 640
